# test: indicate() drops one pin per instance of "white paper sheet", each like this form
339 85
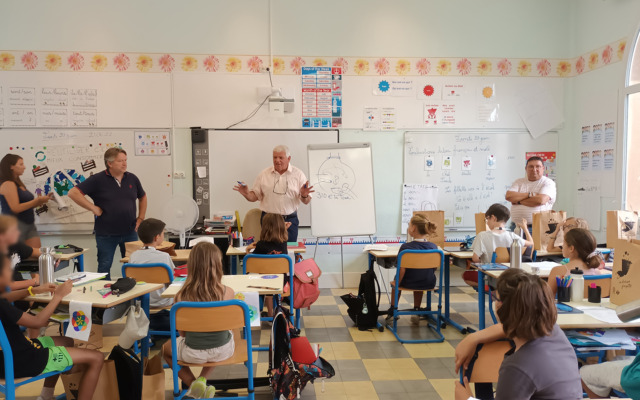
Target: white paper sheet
538 111
375 247
603 314
79 320
201 239
253 301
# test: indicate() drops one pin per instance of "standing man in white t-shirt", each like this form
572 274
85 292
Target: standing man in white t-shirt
532 194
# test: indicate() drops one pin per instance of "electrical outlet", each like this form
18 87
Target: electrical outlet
179 175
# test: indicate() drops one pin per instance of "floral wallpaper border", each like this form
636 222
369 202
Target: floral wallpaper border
291 65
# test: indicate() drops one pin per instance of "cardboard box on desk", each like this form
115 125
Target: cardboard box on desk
625 276
437 217
621 225
544 224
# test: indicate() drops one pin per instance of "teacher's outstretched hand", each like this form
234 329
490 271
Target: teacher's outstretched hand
280 189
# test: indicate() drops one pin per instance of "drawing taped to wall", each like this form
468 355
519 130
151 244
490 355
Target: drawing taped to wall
336 178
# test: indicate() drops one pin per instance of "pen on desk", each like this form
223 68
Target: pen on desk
105 295
263 287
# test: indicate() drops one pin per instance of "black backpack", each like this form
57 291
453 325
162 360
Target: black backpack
128 372
364 308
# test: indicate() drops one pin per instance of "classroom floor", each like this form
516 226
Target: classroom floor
369 365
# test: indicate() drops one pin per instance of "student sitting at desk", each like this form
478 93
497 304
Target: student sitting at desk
16 250
32 357
273 240
622 374
486 243
544 364
580 248
203 283
557 238
419 229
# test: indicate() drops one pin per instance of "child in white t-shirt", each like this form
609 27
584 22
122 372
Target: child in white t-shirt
486 243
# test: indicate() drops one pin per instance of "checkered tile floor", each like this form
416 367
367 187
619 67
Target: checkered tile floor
369 365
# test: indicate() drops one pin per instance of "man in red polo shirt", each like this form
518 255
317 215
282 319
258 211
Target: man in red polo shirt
114 192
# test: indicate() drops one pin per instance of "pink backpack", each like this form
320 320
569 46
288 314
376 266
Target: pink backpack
305 283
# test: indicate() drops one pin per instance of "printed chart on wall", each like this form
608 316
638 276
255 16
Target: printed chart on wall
59 159
597 154
48 106
321 97
152 143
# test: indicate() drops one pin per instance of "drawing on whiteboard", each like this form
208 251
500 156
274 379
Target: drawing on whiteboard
337 178
63 181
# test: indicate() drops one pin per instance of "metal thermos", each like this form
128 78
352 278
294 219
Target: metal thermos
515 256
46 264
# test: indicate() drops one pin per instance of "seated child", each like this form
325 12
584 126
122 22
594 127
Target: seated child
17 251
151 233
273 240
420 229
580 248
557 238
203 283
32 357
544 364
621 374
486 243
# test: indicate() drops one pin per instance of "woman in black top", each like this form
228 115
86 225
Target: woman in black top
16 200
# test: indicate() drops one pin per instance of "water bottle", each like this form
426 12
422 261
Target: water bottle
46 264
515 256
577 285
240 241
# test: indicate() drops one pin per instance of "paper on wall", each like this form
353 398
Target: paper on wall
538 111
79 320
253 301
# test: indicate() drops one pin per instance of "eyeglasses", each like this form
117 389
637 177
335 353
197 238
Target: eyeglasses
280 184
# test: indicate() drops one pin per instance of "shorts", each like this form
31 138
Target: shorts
601 378
27 231
192 356
59 358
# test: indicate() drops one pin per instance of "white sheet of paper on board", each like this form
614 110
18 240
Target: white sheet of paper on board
491 162
446 162
252 300
202 172
467 163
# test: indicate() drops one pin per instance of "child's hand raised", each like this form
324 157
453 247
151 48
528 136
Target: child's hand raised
523 223
63 290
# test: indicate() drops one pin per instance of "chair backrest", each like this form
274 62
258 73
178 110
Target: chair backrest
604 281
421 259
503 254
251 225
487 364
214 316
151 273
267 264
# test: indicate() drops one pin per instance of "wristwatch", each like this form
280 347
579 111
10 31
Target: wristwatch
530 194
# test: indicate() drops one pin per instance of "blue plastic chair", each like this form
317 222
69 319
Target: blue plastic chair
215 316
272 264
10 385
150 273
419 259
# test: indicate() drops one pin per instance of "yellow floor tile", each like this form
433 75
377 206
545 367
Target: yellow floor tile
340 292
326 301
333 321
345 351
314 322
462 298
361 336
343 309
330 389
430 350
444 387
393 369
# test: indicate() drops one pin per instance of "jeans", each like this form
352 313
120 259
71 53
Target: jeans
293 229
107 245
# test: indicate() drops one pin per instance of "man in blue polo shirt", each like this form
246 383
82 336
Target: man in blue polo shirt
114 192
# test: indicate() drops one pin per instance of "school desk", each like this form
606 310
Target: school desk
240 283
113 305
181 257
585 321
495 274
234 254
393 252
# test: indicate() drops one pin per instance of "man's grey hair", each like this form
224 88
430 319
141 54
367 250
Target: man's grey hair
111 155
282 148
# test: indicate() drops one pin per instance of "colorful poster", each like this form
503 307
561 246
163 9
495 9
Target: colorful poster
549 158
371 121
79 320
439 114
428 90
597 134
585 137
388 119
321 97
610 133
152 143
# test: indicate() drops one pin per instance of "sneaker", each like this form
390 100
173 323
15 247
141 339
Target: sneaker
198 388
210 393
415 319
389 320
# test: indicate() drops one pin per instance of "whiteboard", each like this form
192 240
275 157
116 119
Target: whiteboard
122 100
240 155
344 202
464 190
77 154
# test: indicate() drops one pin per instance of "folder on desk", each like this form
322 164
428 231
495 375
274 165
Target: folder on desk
491 267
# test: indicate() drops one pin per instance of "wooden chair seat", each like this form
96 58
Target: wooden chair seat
418 290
